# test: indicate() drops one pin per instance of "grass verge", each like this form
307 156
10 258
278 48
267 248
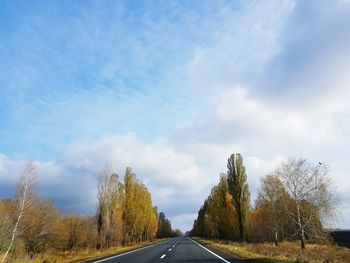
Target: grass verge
284 252
54 256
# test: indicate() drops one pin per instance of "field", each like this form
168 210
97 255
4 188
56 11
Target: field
341 237
285 252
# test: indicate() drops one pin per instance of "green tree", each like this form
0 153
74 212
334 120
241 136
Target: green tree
164 226
238 188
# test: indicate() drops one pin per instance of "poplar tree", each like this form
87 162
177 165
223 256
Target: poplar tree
139 216
110 194
238 188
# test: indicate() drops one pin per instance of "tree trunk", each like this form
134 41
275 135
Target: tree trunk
302 234
241 227
276 238
302 239
22 204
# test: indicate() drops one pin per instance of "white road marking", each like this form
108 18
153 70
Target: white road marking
163 256
169 249
210 251
132 251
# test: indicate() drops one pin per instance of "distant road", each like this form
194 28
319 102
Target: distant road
180 249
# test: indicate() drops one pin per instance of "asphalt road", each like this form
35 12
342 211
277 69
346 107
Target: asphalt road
176 250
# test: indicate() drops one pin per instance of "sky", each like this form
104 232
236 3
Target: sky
172 88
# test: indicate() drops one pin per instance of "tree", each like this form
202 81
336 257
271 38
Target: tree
219 218
131 215
216 206
109 209
229 219
25 187
164 226
8 212
73 231
238 188
312 199
216 218
138 214
39 228
5 223
103 217
269 207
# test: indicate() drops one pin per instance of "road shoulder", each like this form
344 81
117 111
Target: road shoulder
222 253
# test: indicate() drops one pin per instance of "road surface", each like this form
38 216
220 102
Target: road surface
176 250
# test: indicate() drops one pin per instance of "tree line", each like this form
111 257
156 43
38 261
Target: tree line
125 215
294 202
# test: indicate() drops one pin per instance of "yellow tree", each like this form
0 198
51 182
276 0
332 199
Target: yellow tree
136 201
272 214
38 229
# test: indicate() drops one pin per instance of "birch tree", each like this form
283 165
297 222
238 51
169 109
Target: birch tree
312 196
25 186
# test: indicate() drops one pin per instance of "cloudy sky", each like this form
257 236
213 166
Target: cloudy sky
171 88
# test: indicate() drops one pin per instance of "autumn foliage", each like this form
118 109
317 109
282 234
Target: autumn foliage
125 216
294 202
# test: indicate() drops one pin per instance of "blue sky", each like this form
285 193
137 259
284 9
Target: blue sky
64 61
171 88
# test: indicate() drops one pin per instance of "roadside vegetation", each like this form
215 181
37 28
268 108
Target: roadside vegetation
286 251
294 203
34 230
53 255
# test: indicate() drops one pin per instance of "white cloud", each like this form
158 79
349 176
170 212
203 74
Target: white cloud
256 117
263 84
241 45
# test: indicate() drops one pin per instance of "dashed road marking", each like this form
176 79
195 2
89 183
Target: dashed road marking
163 256
126 253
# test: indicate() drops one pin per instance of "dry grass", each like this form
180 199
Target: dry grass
285 252
77 256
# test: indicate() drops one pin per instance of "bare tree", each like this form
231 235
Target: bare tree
312 196
103 223
24 192
109 195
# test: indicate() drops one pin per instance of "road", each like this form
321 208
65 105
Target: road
176 250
